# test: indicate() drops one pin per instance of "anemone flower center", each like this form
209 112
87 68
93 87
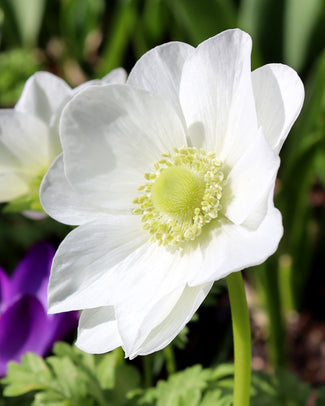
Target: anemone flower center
178 191
180 196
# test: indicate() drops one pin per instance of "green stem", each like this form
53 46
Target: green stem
147 371
170 360
242 339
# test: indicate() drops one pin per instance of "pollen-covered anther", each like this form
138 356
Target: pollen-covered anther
180 196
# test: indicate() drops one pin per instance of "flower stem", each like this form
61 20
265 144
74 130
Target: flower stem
170 360
242 339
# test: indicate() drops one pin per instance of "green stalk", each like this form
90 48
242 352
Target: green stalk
242 339
170 360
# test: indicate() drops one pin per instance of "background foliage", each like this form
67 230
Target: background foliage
83 39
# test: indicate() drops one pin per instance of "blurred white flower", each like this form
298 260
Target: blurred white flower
170 179
29 138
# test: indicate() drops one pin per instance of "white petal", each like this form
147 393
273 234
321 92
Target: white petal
279 96
250 179
217 97
11 186
117 75
177 315
117 266
62 202
81 275
97 331
258 214
27 138
111 136
149 291
43 95
159 71
228 248
139 314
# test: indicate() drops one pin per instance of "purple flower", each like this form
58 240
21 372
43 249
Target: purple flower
24 323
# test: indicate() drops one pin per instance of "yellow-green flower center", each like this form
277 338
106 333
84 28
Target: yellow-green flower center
181 195
178 191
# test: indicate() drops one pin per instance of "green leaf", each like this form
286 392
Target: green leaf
203 19
262 19
311 119
299 168
180 389
71 382
32 374
290 388
300 19
50 399
105 371
63 379
124 21
191 398
25 400
16 66
87 368
79 357
320 165
78 21
222 371
29 17
126 379
211 398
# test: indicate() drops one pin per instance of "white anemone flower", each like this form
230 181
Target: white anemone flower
29 137
170 179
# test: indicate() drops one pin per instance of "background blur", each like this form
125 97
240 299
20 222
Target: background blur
84 39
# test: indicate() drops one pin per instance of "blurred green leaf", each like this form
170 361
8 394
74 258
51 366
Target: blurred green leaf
290 388
71 378
25 400
2 16
201 20
179 388
29 16
263 20
320 165
311 118
123 22
298 176
209 387
299 21
32 374
211 398
79 20
154 18
16 66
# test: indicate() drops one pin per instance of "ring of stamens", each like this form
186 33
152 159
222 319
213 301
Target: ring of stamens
181 195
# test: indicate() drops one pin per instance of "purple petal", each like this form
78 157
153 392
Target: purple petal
32 273
61 325
5 290
23 328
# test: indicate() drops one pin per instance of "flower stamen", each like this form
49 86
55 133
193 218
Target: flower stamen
181 196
